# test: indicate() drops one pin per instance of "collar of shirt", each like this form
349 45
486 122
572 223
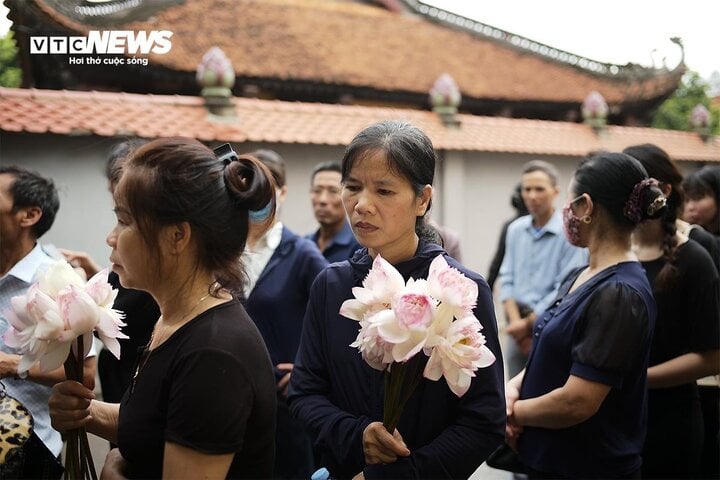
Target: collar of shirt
30 265
256 260
271 239
554 226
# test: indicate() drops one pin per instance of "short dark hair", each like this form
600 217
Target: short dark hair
542 166
329 166
175 180
30 189
274 162
117 156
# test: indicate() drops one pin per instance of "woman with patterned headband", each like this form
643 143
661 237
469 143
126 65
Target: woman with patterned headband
578 409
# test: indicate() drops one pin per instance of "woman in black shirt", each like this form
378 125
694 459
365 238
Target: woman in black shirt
201 403
686 339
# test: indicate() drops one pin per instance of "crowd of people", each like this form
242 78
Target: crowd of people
239 362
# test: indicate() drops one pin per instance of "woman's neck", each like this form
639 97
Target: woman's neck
397 253
610 250
647 240
186 299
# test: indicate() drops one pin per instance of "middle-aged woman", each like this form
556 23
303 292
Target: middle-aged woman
578 409
686 341
387 176
202 401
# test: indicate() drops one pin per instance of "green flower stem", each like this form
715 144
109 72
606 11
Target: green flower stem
401 380
79 463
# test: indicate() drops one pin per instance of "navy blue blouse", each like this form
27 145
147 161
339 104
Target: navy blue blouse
336 394
600 332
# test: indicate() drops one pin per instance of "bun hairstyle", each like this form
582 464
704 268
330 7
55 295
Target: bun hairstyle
175 180
620 184
409 153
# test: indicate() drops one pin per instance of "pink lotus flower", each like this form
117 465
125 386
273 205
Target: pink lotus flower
457 355
452 288
58 309
381 284
398 321
374 350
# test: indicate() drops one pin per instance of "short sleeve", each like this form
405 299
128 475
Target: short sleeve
702 296
609 334
211 397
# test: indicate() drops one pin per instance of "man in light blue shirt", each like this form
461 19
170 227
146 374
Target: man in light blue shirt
537 259
28 204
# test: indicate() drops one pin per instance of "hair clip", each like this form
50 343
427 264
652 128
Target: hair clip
656 205
225 153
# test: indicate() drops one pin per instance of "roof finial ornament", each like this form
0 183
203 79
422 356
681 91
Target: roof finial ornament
216 76
595 111
678 41
445 98
700 121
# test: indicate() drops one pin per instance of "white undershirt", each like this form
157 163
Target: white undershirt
256 259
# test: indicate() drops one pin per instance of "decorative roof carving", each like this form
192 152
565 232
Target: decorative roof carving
629 71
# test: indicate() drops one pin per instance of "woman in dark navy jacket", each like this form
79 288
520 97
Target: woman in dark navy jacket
578 410
387 176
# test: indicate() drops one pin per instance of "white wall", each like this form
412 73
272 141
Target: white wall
472 189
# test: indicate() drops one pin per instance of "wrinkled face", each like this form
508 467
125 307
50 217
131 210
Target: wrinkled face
382 208
326 198
130 253
702 211
538 193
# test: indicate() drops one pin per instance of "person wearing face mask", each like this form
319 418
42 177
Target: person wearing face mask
281 267
579 408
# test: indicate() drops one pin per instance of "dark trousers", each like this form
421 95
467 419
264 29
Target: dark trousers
710 459
293 447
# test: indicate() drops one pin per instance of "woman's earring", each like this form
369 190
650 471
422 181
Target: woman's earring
586 219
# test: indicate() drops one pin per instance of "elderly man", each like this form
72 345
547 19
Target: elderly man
28 204
334 238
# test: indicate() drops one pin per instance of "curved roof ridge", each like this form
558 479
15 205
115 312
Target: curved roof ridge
475 27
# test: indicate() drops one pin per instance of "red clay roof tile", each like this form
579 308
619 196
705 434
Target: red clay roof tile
271 121
360 45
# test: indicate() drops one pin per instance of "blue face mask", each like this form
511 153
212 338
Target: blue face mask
259 216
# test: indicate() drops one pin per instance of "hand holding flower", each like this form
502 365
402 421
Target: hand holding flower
381 447
70 405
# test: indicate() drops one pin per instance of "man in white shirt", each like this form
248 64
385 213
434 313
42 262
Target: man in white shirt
28 204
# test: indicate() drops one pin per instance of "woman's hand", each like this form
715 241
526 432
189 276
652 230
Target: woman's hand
70 405
81 260
381 447
114 468
284 382
512 394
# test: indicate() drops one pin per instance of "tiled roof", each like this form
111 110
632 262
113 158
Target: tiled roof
271 121
364 46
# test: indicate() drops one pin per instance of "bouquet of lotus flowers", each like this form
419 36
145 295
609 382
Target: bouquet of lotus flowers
53 324
399 320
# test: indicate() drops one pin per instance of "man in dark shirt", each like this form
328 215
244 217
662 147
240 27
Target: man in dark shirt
334 238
